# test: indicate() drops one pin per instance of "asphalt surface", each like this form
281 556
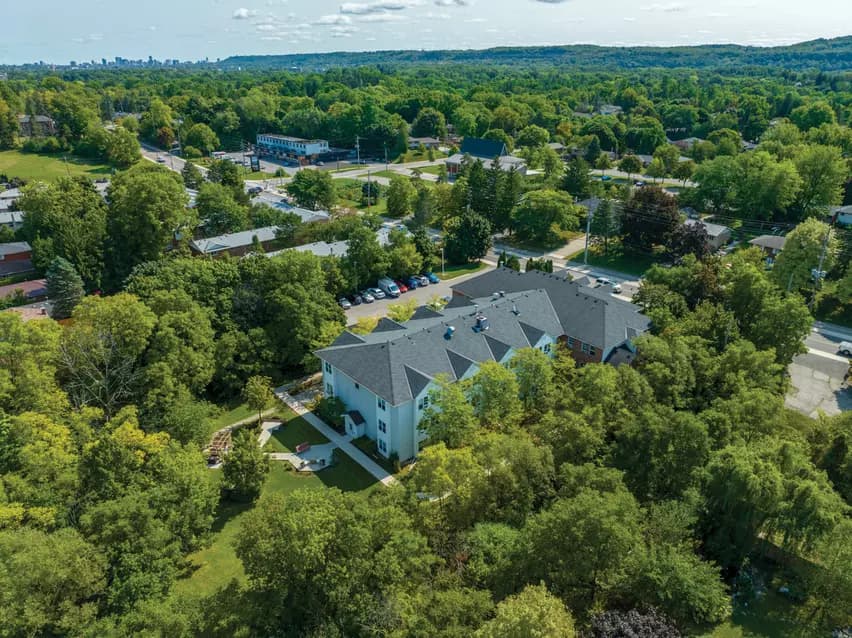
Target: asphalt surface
379 308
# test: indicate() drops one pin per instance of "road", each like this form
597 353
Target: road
817 378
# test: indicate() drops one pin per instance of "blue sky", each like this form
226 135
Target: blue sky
56 31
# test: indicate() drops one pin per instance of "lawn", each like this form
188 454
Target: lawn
30 166
619 260
233 414
434 170
451 272
418 156
215 566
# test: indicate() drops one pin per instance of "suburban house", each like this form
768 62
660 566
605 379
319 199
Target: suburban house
384 378
36 126
770 244
488 151
426 142
841 215
234 244
11 219
15 257
335 248
34 290
717 234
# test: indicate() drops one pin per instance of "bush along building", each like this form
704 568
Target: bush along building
384 378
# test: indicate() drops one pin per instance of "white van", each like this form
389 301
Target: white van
389 287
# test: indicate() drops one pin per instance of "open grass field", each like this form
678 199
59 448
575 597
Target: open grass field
217 565
451 272
433 170
617 259
30 166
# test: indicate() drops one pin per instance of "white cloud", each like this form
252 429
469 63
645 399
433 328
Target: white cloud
670 7
452 3
436 16
343 29
381 17
552 1
378 6
475 20
243 14
629 19
266 27
334 18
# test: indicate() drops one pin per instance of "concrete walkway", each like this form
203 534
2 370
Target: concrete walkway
343 442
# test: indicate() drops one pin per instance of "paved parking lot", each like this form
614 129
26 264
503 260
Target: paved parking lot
379 308
817 377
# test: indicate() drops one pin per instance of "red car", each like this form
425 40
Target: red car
402 287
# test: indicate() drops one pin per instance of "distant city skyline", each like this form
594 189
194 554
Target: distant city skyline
191 30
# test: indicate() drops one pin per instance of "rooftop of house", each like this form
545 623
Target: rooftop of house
10 217
423 140
592 315
397 360
713 230
38 118
506 161
482 148
14 248
775 242
31 289
12 193
220 243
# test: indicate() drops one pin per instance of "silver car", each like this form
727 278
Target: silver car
377 293
367 296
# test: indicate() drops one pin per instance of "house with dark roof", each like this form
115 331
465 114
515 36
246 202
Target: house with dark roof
488 151
384 377
36 126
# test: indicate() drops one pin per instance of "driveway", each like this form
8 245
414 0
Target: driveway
817 377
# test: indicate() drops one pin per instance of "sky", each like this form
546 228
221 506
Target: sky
58 31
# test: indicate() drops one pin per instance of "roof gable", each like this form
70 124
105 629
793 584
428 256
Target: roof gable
416 380
482 148
387 325
346 338
425 312
459 363
532 334
498 348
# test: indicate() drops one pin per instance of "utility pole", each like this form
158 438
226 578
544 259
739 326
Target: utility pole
442 259
818 275
588 231
369 190
358 149
386 157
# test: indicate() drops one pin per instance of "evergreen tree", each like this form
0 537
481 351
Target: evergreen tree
606 222
245 467
64 288
192 177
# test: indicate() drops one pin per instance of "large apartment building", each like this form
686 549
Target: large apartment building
384 378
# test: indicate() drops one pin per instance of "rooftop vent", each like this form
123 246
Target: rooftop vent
481 323
502 293
515 309
449 333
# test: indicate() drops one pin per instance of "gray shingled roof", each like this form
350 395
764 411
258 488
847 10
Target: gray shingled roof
482 148
397 365
14 248
776 242
220 243
591 315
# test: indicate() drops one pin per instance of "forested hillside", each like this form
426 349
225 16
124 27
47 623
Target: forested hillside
826 55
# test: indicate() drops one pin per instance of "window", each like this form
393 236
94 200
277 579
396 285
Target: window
592 351
381 403
424 403
585 348
571 342
328 367
357 386
546 348
383 427
382 446
329 389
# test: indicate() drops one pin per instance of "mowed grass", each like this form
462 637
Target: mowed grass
617 259
217 565
31 166
451 272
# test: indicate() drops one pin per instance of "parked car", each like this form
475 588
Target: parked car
845 348
402 287
377 293
356 300
367 296
432 277
344 303
160 159
412 282
255 190
389 287
422 280
605 281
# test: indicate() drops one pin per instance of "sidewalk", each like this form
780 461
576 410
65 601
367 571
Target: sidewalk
343 442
